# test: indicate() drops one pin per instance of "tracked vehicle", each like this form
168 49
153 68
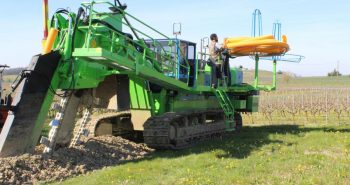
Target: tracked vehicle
123 81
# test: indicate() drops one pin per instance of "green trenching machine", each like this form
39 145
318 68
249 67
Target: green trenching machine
113 78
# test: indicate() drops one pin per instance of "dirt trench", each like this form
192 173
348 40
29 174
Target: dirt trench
94 154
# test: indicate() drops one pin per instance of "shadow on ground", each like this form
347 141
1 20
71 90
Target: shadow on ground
233 145
249 139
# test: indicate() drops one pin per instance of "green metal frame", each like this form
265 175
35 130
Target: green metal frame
95 50
100 51
256 76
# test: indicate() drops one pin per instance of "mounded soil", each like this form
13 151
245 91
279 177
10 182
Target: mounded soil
94 154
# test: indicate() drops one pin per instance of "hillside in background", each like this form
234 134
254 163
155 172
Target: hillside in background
13 71
290 80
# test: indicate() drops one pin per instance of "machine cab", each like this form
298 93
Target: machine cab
180 62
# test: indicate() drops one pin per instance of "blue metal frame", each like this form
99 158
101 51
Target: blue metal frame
257 23
179 75
277 33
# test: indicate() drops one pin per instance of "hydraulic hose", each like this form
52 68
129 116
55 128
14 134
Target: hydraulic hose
58 11
135 44
127 22
76 23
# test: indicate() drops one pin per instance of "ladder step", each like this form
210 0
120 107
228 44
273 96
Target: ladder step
227 107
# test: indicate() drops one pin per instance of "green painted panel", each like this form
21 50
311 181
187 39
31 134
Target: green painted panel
138 94
194 102
253 103
86 74
114 20
239 104
236 76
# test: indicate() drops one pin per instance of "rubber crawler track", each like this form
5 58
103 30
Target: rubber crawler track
178 131
172 130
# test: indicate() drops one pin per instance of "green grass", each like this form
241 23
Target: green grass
316 82
9 78
300 118
261 154
274 154
7 82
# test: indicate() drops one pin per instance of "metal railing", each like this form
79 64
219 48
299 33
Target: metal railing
168 61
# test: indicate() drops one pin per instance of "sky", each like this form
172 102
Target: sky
318 30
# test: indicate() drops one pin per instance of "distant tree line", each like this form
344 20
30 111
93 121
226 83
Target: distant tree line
334 73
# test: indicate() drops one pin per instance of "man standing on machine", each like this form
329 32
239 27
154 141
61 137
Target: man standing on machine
216 61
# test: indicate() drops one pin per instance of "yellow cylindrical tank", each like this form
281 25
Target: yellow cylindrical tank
50 41
284 38
266 45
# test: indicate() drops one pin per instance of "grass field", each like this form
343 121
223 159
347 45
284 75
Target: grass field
7 82
260 154
316 82
283 81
